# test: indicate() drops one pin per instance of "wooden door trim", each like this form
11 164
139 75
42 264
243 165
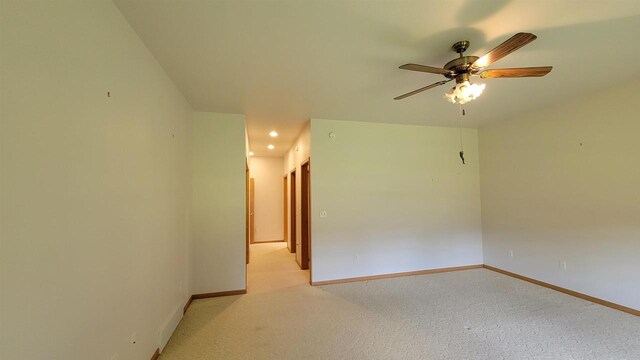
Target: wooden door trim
293 227
252 215
247 211
305 214
308 161
285 210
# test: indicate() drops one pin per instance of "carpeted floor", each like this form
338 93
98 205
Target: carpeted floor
474 314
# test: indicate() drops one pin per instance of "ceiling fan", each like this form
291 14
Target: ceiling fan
463 67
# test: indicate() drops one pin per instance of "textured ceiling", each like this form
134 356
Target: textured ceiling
283 62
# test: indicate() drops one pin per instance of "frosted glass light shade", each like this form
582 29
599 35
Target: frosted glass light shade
464 92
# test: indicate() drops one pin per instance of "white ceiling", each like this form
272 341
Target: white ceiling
283 62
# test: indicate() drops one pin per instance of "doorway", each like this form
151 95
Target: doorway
247 211
284 210
305 216
273 188
252 218
292 208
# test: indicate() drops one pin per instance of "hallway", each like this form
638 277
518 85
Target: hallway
262 324
272 267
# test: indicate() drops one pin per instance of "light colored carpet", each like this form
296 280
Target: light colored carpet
474 314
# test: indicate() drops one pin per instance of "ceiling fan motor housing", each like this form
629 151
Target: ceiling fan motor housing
460 65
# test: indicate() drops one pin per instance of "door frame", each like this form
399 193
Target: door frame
247 210
252 210
285 210
305 214
292 210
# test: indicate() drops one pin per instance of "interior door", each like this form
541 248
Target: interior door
305 215
284 210
292 211
252 222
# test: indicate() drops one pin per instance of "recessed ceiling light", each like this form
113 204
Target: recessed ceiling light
250 153
273 133
271 147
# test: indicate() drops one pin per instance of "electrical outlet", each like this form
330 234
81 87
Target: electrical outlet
510 253
323 213
563 265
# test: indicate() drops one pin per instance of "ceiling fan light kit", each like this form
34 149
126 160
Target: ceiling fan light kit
463 67
464 92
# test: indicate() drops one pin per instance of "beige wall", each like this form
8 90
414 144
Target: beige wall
95 189
562 185
299 152
267 174
397 199
218 203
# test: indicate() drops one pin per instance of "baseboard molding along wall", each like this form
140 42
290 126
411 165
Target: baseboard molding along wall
211 295
156 355
469 267
566 291
393 275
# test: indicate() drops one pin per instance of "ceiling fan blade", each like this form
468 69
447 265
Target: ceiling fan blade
514 43
427 69
516 72
421 89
